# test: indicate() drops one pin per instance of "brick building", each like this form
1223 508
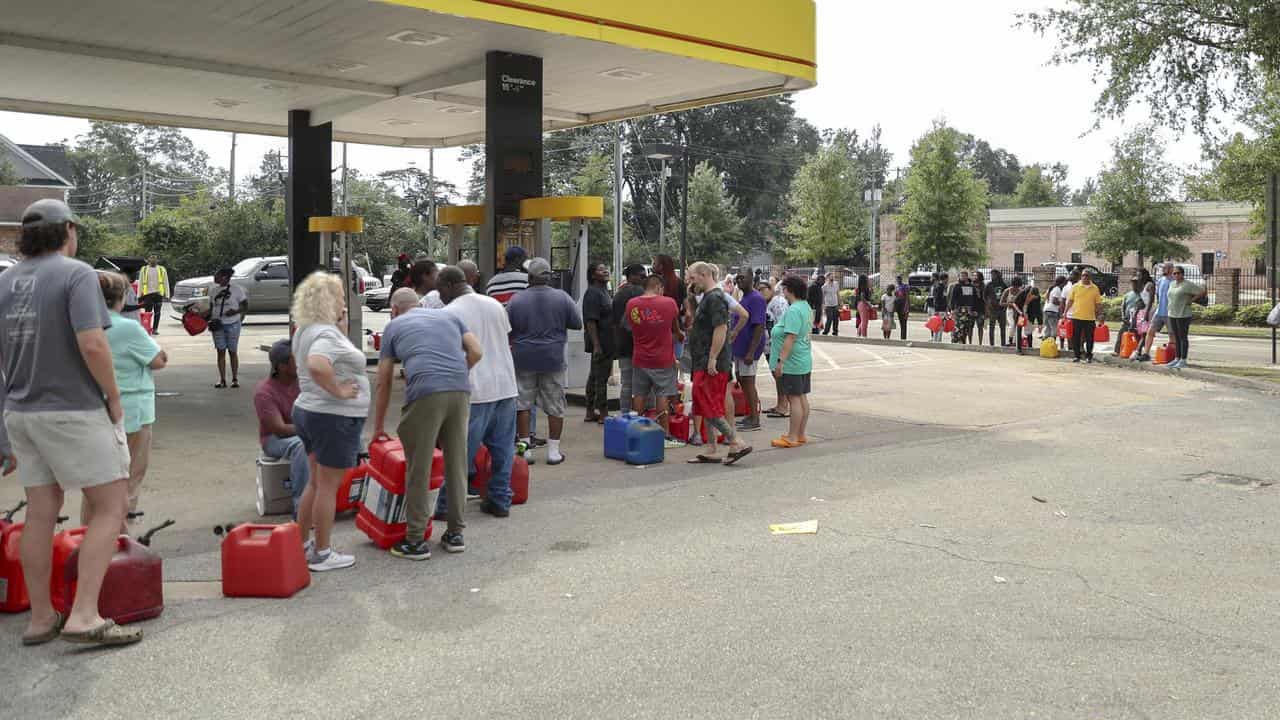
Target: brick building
43 171
1022 238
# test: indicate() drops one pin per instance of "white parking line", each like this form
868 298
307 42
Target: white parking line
822 354
878 358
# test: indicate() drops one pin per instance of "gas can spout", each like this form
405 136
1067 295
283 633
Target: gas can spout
145 540
8 517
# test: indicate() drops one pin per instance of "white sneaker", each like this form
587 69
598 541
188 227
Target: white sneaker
330 560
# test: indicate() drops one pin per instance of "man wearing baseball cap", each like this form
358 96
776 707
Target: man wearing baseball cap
63 416
504 285
541 317
273 400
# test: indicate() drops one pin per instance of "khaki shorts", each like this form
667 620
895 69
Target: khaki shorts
742 368
545 390
74 449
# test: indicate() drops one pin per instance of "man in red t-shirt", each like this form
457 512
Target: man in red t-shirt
654 320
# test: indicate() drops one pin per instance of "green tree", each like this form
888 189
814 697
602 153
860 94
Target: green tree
715 227
1042 186
946 204
1133 209
96 238
8 176
1181 58
1084 195
828 219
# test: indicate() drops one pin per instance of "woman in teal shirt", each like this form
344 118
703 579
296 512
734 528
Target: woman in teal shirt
134 355
792 358
1182 293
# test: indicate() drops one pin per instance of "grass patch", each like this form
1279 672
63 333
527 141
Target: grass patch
1238 331
1255 373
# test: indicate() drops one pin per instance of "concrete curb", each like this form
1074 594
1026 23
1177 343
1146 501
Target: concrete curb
1204 375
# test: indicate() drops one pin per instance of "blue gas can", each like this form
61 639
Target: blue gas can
645 442
615 435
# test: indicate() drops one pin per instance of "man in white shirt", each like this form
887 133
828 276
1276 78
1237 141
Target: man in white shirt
227 305
493 388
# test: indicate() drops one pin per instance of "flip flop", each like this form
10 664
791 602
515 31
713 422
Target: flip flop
777 415
784 442
106 634
703 460
736 456
47 635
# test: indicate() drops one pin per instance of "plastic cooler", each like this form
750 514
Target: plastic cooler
274 496
382 513
264 561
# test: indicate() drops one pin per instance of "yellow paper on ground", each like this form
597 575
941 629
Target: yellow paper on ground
808 527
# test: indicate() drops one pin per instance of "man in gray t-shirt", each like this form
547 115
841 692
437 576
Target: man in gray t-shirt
438 353
62 414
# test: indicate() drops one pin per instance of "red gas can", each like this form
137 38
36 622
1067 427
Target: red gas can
133 588
13 586
679 427
351 488
263 561
845 313
144 318
739 400
382 514
519 476
64 545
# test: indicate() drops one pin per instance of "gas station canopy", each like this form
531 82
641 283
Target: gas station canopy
394 72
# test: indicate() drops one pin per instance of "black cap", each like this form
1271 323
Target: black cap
515 253
48 211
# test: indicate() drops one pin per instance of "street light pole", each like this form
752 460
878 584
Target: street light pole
684 218
1273 238
662 206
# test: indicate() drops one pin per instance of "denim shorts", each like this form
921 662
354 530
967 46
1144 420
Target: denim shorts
227 337
333 439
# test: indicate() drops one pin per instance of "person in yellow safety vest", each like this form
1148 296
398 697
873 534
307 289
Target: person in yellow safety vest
153 288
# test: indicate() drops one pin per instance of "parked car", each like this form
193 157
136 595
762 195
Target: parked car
264 279
6 263
1108 283
378 299
920 279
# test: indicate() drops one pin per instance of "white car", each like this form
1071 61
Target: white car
6 263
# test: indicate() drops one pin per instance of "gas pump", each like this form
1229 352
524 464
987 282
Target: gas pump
570 268
335 247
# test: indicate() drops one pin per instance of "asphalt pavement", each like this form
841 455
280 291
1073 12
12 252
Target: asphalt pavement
998 537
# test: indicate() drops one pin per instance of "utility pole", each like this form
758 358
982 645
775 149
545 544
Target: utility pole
1273 244
431 195
617 207
343 201
231 179
144 189
662 207
684 212
872 197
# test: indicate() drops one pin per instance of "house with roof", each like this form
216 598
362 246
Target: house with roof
42 171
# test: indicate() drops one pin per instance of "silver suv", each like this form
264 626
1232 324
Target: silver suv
264 279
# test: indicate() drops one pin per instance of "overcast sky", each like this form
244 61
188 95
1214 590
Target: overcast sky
897 64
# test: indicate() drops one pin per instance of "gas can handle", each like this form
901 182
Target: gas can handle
9 515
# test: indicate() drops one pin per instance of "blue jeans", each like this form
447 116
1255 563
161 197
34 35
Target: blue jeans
494 425
299 463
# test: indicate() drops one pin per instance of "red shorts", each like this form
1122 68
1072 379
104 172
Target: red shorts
708 393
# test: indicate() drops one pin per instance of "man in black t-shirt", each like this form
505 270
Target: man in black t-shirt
635 275
598 337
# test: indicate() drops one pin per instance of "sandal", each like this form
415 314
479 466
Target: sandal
703 460
220 386
235 383
785 442
736 456
775 414
48 635
106 634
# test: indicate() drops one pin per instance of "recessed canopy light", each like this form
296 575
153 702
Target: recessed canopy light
343 65
416 37
227 102
277 87
625 74
459 110
399 122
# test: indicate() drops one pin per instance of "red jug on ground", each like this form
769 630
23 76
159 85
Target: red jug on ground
845 313
144 319
1164 355
1101 334
519 476
933 324
949 326
739 400
382 514
64 545
1128 344
13 585
263 561
133 588
680 427
1065 328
